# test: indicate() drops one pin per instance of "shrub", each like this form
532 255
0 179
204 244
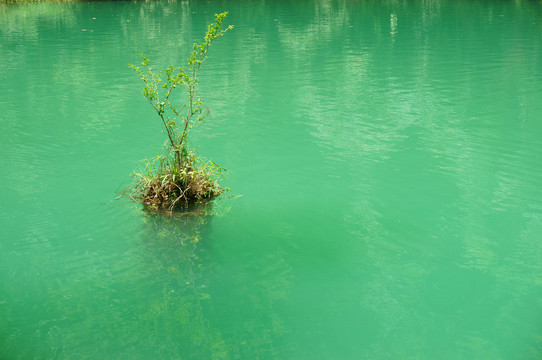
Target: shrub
179 176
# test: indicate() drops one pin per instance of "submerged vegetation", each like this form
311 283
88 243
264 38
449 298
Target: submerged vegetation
179 176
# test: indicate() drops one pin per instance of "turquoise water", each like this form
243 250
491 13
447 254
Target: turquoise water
388 156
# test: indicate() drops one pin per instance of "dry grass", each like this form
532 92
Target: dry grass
161 186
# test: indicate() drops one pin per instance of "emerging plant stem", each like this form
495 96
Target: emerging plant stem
181 172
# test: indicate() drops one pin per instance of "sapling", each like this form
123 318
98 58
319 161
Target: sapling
180 175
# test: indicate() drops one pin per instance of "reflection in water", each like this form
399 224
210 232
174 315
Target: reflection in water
192 300
388 153
454 194
176 265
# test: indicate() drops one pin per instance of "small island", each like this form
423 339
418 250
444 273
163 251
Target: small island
179 176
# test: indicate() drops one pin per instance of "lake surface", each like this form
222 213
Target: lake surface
388 155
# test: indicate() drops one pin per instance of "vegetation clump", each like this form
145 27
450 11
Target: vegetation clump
179 176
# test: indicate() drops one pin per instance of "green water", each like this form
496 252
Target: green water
388 154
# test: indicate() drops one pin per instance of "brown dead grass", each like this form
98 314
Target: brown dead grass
167 190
